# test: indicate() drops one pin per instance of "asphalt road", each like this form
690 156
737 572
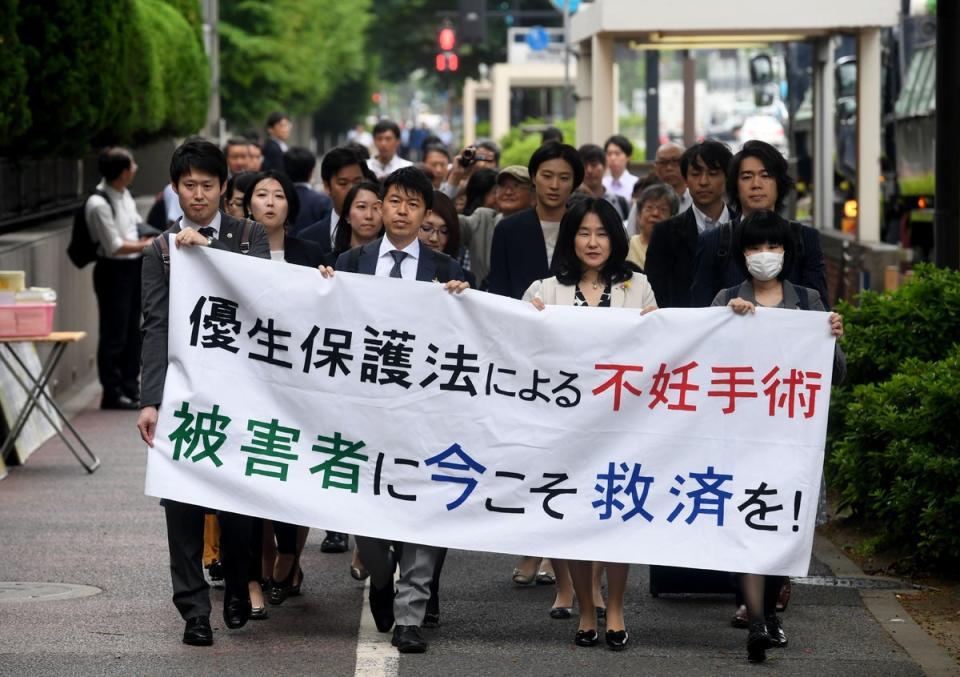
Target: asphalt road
58 524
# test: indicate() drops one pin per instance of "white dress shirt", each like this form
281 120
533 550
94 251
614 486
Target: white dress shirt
382 170
334 222
408 267
685 201
111 227
622 186
215 224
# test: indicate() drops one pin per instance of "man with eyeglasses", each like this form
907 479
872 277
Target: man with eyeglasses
666 165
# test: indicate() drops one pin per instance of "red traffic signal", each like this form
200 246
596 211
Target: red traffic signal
447 39
447 62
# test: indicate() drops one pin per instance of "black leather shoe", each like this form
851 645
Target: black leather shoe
778 637
561 612
120 402
407 639
757 642
197 631
617 640
236 607
431 619
335 542
586 638
381 607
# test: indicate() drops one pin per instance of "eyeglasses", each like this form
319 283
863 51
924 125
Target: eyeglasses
653 208
429 230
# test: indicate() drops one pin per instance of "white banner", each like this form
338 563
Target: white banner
390 408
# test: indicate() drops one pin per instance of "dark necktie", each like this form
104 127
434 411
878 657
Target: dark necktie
398 257
207 231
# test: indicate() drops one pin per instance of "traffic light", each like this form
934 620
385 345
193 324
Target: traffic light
447 59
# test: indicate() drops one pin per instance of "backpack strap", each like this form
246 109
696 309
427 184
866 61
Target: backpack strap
803 298
163 250
724 247
731 294
103 194
245 236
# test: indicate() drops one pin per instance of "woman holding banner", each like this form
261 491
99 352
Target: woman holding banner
271 200
765 250
590 262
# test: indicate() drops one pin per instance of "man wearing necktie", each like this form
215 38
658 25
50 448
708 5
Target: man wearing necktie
405 201
198 173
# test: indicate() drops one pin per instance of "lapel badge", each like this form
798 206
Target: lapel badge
229 235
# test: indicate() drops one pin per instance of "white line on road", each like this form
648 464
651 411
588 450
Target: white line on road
376 657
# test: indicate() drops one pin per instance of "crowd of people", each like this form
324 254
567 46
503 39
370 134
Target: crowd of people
572 227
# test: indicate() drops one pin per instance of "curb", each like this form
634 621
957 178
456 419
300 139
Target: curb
884 606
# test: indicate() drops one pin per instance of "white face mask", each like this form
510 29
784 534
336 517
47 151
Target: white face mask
765 265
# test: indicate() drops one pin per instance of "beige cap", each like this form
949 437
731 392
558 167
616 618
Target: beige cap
519 172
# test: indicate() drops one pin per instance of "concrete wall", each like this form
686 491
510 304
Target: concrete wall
854 266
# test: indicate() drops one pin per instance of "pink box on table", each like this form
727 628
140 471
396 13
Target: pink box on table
26 319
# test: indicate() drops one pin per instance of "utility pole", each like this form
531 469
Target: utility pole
946 221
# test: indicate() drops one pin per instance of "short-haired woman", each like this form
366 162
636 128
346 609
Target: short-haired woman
765 250
656 203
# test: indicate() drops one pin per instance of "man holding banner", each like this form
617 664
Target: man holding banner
406 199
198 173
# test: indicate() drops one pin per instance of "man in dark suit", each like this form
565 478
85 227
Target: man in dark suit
756 179
278 131
523 244
407 197
299 164
340 170
669 265
198 173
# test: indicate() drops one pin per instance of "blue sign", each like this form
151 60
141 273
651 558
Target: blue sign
572 5
538 39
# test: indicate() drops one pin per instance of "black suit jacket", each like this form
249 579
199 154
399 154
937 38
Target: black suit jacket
669 264
318 233
155 296
428 265
272 156
808 270
518 254
314 207
304 253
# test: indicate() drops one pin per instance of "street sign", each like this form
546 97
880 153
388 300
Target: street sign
572 5
537 39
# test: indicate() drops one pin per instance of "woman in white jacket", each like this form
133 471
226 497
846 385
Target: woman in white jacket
590 262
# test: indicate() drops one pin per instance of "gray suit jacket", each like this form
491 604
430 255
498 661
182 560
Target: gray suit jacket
791 301
428 265
155 295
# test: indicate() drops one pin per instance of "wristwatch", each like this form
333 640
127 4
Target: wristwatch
209 240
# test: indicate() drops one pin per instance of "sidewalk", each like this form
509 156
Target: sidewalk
58 524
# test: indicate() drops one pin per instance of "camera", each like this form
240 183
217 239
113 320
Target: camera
468 156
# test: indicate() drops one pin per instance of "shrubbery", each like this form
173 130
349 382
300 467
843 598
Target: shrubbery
896 440
517 146
98 72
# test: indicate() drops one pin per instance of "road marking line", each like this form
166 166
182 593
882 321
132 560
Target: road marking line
376 657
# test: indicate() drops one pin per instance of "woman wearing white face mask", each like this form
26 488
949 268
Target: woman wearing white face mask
767 247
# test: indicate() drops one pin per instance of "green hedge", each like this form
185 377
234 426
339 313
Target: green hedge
98 72
895 447
517 146
898 461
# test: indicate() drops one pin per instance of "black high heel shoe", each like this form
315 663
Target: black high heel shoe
280 590
586 638
617 640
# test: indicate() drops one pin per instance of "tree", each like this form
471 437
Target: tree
14 108
288 55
